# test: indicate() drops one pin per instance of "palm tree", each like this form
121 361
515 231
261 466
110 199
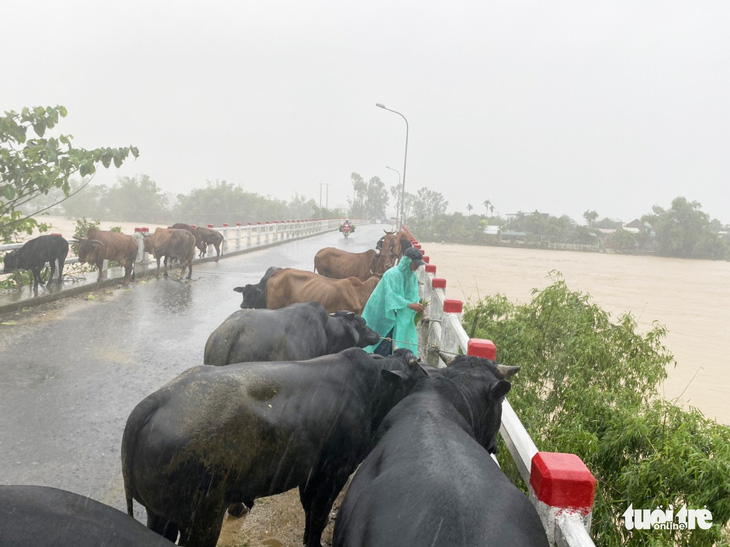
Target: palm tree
469 207
488 206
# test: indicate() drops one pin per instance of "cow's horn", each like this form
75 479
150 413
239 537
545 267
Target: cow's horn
413 363
507 371
448 359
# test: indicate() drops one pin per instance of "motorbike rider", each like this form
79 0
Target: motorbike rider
346 224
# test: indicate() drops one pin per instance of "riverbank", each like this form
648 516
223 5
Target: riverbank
690 297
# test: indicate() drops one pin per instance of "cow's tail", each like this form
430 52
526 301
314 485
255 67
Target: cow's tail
136 421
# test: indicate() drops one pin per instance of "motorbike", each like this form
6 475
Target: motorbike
346 231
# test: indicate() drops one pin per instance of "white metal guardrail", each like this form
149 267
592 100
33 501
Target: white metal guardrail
236 238
560 486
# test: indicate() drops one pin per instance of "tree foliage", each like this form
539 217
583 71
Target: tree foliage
427 206
685 231
31 166
590 216
370 199
222 202
622 241
136 199
589 386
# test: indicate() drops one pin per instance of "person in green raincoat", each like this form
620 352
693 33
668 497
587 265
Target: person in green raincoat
394 303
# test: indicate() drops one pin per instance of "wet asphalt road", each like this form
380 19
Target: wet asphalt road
70 374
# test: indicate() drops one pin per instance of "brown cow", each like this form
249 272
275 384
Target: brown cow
100 245
205 237
401 243
338 264
394 242
172 243
289 286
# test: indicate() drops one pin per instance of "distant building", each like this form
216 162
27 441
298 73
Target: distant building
507 236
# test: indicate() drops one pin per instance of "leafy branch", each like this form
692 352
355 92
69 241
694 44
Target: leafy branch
33 166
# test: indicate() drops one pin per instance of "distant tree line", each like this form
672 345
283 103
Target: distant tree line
140 199
682 231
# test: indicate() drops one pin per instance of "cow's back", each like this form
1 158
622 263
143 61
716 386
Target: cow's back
43 516
339 264
207 410
116 246
294 333
43 249
429 482
290 286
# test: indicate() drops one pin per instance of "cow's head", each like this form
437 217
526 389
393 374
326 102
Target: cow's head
382 261
253 296
400 373
10 262
356 329
90 250
149 246
482 385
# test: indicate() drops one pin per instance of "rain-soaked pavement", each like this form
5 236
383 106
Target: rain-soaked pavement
72 371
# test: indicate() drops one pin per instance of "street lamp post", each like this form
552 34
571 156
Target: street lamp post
397 212
405 161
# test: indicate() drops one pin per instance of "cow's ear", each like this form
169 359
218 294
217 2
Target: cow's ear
238 289
500 389
394 376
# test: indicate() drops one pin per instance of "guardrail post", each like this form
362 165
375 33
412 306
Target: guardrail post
563 489
258 233
225 237
451 326
238 235
482 348
142 260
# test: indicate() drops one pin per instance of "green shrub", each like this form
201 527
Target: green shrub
588 386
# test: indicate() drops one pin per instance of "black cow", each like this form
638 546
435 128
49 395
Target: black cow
254 296
34 255
430 479
49 517
295 333
221 435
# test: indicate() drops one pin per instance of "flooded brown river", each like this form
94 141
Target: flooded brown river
690 297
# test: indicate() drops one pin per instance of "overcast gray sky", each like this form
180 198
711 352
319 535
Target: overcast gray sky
558 106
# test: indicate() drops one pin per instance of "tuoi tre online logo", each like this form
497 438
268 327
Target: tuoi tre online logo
660 519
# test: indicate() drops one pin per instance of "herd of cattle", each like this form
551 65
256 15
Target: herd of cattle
178 242
287 398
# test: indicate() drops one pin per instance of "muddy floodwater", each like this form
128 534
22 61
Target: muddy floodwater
690 297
